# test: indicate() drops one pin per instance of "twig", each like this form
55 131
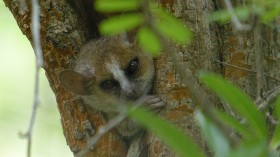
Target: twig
263 104
39 64
34 111
245 69
238 25
36 33
234 66
101 131
109 125
271 119
259 63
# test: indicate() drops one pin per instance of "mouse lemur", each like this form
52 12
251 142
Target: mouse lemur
110 72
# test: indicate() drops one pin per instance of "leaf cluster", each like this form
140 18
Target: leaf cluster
149 20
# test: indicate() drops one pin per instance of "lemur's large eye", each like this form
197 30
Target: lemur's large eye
133 66
109 84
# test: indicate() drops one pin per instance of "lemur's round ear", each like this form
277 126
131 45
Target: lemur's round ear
128 38
131 36
123 38
76 82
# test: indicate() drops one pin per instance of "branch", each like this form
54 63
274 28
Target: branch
39 64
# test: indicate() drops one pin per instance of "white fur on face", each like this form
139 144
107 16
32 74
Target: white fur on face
119 75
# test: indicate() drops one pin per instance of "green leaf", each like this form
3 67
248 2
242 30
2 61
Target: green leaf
275 141
109 6
215 139
234 123
172 28
224 16
180 142
269 15
277 107
251 149
149 41
119 24
239 101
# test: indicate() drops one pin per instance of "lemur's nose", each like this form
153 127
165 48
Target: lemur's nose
131 94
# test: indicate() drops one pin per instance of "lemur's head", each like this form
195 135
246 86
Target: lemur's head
108 72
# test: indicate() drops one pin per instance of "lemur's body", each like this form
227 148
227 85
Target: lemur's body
109 73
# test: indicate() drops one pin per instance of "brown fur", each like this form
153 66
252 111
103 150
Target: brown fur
92 69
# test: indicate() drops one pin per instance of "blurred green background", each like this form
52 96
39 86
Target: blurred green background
17 66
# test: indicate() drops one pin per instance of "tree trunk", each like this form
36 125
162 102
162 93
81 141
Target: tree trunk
63 33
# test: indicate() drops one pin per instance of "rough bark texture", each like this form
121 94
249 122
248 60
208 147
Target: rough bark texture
62 35
198 55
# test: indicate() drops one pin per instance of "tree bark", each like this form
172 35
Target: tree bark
63 33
